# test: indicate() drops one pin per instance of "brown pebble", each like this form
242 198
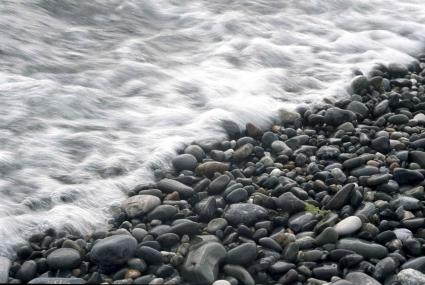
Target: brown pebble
373 163
172 196
76 272
394 165
253 131
132 273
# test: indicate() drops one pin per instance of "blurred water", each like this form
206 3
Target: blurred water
93 94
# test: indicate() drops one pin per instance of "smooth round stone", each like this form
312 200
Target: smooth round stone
326 271
297 141
348 225
239 273
278 146
218 185
115 249
163 213
336 116
397 70
381 108
243 152
27 271
64 258
137 264
415 263
185 228
359 84
196 151
168 239
243 254
358 108
398 119
140 204
359 278
236 196
366 170
410 277
169 186
384 268
243 213
150 255
328 235
270 243
268 138
281 267
299 220
362 247
185 162
216 224
407 176
350 260
222 282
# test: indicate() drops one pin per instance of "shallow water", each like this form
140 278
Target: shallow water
94 94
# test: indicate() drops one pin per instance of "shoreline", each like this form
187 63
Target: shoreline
334 194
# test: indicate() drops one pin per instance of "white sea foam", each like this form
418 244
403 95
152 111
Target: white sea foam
93 94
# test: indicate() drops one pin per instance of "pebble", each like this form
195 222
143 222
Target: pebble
239 273
202 262
184 162
116 249
243 254
417 263
410 277
360 278
27 271
169 186
348 226
328 235
216 224
140 204
341 197
209 168
64 258
364 248
290 203
246 214
218 184
163 213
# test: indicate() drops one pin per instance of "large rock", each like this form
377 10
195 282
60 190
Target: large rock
140 205
27 271
336 116
64 258
410 277
5 264
169 185
185 162
243 213
397 70
202 262
362 247
57 280
115 249
381 144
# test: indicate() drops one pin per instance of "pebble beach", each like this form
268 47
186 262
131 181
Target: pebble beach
333 193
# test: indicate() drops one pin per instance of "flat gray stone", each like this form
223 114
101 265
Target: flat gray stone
362 247
410 277
359 278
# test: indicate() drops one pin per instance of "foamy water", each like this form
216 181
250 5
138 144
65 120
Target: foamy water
94 94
